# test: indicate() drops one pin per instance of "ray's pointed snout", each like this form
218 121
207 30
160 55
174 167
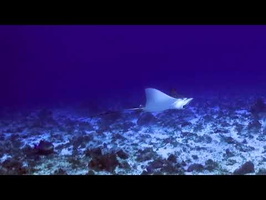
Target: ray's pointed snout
187 101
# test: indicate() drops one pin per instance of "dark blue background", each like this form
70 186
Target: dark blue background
67 63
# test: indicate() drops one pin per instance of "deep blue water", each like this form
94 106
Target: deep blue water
46 64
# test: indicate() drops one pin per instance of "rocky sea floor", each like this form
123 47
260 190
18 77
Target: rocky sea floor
218 136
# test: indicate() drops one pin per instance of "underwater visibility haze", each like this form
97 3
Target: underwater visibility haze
132 100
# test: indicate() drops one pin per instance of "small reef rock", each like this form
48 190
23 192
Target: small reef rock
172 158
107 162
246 168
195 167
121 154
13 167
162 166
44 148
95 152
211 165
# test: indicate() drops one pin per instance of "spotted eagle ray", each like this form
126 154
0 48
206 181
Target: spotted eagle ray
157 101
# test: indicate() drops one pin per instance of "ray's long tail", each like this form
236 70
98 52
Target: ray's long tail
134 109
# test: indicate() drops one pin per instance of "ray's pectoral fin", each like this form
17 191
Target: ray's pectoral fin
157 101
